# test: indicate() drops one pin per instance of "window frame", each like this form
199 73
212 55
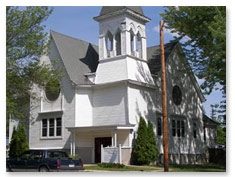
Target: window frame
56 126
177 95
51 128
118 42
132 42
159 123
194 130
109 43
173 127
178 127
44 128
139 45
182 128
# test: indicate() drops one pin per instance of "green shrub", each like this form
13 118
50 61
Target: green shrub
19 143
139 152
144 150
74 157
111 165
221 135
151 145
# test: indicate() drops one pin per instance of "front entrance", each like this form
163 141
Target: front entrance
106 141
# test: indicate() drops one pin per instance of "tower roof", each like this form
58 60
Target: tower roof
111 9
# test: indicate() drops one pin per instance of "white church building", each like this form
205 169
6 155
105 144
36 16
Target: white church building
105 89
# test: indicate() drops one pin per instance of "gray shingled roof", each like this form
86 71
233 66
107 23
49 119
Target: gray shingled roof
79 57
110 9
209 121
154 63
154 56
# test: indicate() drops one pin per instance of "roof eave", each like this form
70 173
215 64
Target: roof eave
197 87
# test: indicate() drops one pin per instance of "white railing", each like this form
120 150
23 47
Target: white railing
118 154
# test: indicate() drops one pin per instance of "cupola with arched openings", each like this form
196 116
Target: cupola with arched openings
122 45
122 32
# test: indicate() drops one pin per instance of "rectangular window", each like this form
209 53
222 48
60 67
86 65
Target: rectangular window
182 128
173 128
194 130
58 126
51 127
204 132
178 128
159 126
44 127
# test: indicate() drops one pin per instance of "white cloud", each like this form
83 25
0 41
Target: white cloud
166 31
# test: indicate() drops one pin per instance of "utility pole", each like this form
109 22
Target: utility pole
164 101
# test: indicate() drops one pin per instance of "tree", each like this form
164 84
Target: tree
145 150
204 29
26 41
214 111
13 144
19 142
221 135
139 152
151 145
23 142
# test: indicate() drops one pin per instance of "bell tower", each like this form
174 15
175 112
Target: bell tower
122 45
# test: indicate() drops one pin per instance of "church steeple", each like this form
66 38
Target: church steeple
122 45
122 32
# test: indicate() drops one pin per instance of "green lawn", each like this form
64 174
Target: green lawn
173 168
197 168
125 168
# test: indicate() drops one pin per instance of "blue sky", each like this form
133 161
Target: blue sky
78 22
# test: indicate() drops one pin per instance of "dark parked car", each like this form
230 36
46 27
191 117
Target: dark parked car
43 161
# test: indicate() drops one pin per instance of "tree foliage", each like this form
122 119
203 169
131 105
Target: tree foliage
151 145
26 41
139 150
144 150
13 144
221 135
19 142
203 34
214 111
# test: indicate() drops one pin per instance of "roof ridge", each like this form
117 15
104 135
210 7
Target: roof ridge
74 38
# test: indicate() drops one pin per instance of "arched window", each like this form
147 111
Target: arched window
132 42
139 45
118 42
109 43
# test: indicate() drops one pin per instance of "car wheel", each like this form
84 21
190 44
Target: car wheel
43 169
